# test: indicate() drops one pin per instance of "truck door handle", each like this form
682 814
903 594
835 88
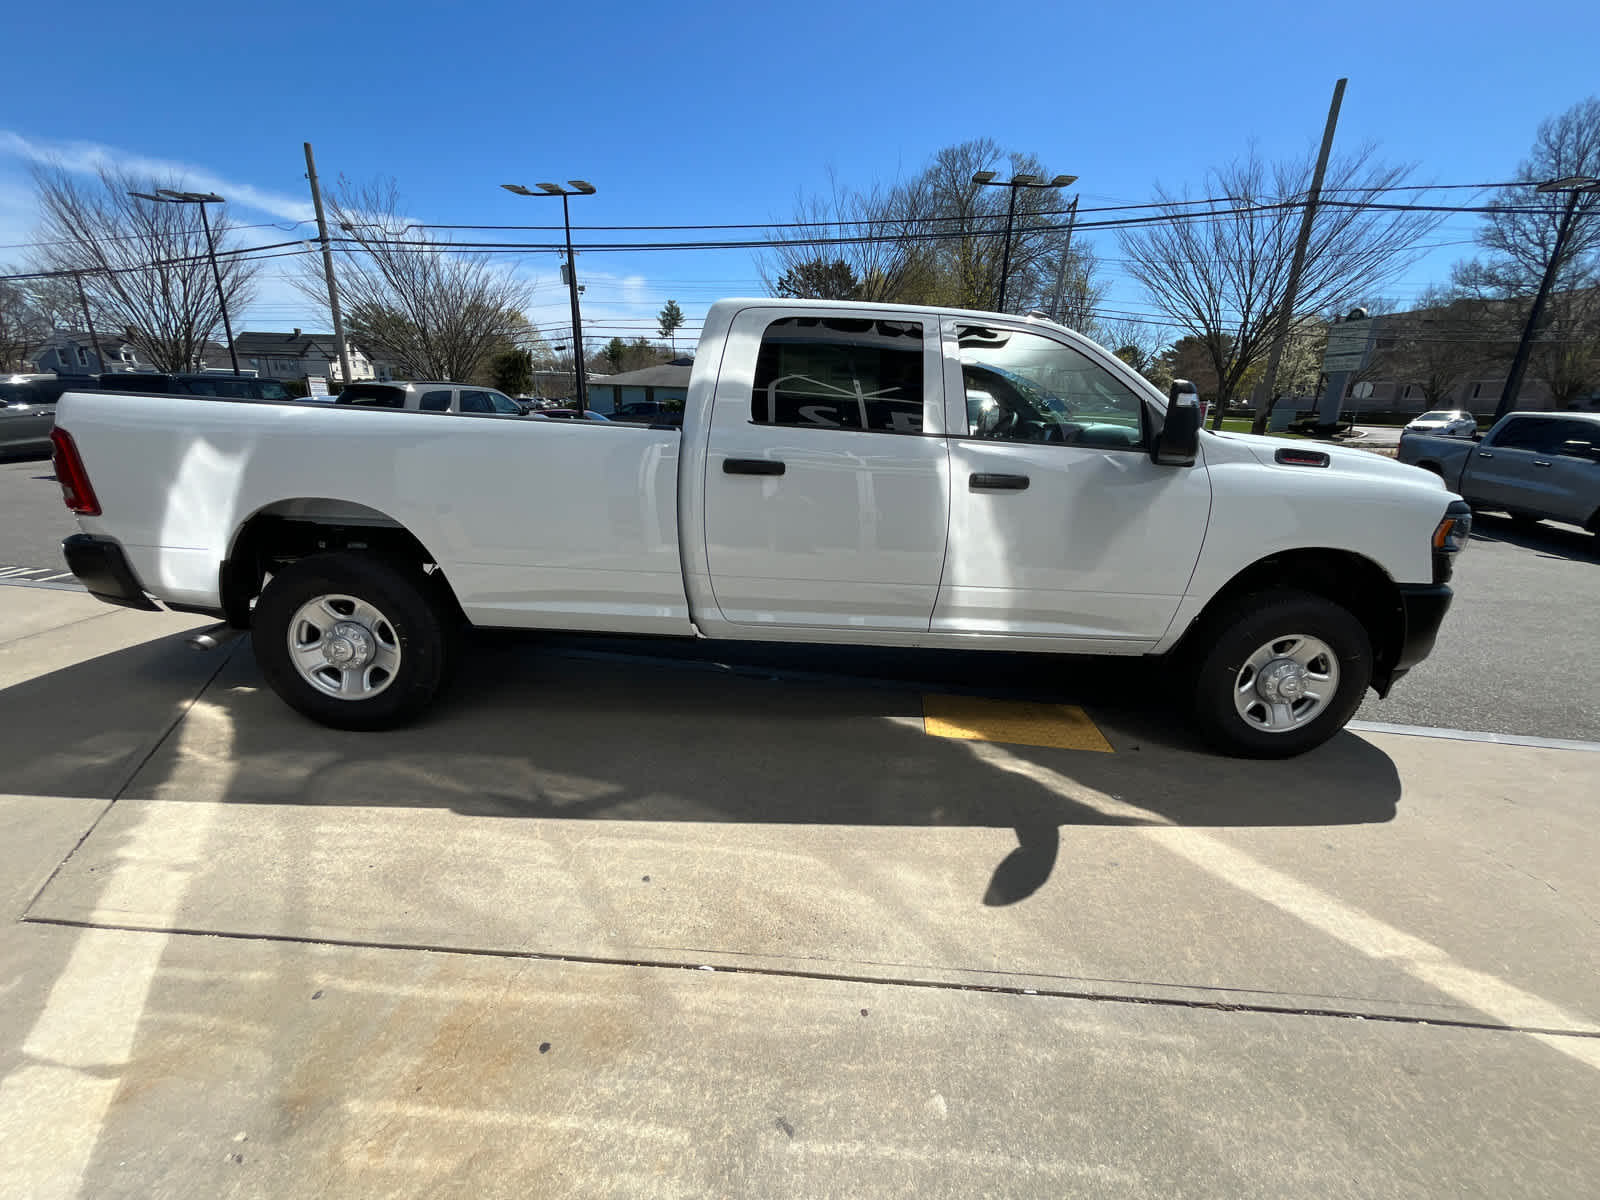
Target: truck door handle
752 466
1539 462
997 483
1484 454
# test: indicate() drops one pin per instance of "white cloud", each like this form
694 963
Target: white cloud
85 158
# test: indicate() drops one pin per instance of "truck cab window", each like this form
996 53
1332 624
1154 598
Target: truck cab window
1538 434
1022 387
435 401
836 373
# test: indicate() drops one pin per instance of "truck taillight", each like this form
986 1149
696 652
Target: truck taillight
76 489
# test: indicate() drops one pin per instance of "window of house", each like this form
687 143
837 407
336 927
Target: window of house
1024 387
836 373
438 401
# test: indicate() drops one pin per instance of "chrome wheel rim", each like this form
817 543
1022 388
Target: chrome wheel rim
344 647
1286 683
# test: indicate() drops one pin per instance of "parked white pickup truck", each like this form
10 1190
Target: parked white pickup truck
868 474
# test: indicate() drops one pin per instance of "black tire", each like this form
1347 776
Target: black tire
418 623
1250 623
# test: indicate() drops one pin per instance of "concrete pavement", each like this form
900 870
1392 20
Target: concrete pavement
604 926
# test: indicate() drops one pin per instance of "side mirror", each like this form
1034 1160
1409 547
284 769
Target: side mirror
1177 443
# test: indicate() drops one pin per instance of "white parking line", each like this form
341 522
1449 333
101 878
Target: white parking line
1468 735
1327 914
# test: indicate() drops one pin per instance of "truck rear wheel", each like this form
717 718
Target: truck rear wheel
352 641
1280 673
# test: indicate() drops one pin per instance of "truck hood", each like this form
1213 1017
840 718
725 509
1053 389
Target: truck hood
1341 459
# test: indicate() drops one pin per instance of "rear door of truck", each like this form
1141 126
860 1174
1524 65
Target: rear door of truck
827 495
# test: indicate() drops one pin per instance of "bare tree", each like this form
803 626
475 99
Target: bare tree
863 241
24 328
1520 234
938 238
432 311
1141 345
1222 270
1075 296
144 266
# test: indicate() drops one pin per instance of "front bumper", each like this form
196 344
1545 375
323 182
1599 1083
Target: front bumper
1424 606
102 567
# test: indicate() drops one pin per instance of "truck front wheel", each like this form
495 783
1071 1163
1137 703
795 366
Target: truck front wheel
1282 673
351 641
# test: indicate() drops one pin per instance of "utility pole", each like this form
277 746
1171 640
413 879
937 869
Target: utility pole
83 302
327 269
1286 313
1061 267
1574 186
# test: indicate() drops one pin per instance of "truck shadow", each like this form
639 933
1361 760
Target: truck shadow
587 729
1546 538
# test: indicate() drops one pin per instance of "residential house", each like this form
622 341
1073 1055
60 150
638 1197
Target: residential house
68 352
668 382
296 356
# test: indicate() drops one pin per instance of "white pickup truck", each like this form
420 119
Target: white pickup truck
845 473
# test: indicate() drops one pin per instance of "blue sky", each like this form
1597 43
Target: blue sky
728 112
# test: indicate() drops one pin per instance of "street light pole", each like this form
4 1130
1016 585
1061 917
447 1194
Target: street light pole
987 179
168 196
581 187
1574 186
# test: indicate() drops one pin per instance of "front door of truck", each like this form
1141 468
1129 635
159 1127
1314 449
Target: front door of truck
1512 468
827 477
1060 523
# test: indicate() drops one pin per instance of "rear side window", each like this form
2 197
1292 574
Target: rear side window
438 401
271 389
835 373
369 395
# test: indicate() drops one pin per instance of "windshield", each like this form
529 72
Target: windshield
1437 416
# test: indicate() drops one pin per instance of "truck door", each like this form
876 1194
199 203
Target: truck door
827 477
1513 468
1060 523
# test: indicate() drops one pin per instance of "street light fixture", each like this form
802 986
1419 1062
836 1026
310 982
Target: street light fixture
987 179
580 187
1574 186
168 196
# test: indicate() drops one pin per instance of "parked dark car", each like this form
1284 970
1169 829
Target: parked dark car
28 408
238 387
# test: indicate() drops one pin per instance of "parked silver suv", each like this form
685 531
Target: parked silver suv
431 397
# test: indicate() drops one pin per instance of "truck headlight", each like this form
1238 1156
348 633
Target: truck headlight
1450 536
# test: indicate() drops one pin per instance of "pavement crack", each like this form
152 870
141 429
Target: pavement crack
1047 993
